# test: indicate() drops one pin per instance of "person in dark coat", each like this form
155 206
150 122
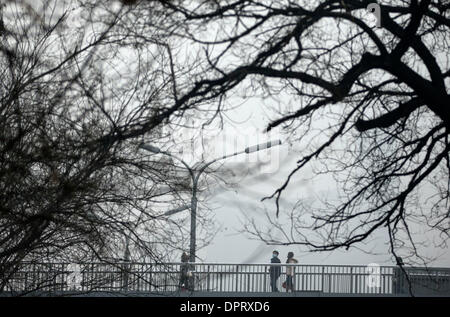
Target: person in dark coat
274 271
184 277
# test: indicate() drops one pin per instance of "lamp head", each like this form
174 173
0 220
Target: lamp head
149 148
262 146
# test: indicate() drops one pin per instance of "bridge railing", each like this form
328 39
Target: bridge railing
217 277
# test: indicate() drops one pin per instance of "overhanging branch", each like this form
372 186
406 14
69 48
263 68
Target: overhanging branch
390 118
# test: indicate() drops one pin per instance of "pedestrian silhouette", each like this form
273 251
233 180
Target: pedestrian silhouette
274 271
184 278
290 272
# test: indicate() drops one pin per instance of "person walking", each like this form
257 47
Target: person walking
274 271
290 271
184 270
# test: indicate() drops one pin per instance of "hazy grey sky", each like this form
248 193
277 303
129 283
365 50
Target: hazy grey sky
231 206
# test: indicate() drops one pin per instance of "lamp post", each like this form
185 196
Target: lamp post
195 172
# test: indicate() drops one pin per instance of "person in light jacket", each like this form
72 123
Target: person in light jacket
290 271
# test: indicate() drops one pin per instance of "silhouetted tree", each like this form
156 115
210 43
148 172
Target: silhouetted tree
78 92
368 105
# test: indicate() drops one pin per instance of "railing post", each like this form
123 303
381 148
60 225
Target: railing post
221 281
237 278
304 278
351 280
323 278
125 277
150 277
265 279
26 281
208 280
165 279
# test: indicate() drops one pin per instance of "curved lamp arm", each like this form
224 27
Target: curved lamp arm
248 150
157 150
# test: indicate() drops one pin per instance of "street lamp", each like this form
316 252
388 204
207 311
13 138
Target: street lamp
195 176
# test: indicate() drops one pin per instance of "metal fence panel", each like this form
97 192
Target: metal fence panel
218 277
